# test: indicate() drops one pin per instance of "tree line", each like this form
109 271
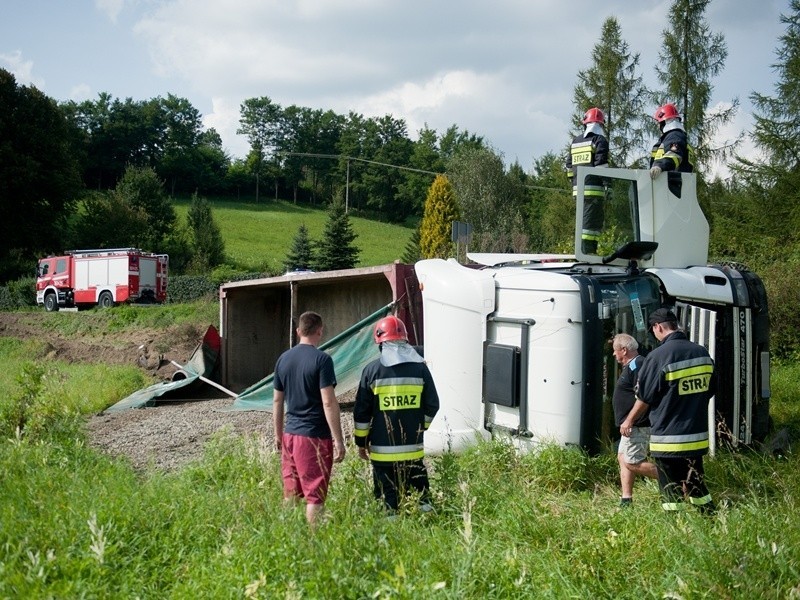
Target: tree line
66 168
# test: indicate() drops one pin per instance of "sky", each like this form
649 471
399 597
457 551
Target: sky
501 69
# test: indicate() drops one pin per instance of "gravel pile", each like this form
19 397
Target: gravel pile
171 435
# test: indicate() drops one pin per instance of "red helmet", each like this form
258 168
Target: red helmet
594 115
668 111
390 329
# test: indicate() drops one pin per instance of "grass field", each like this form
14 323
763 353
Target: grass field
258 236
77 524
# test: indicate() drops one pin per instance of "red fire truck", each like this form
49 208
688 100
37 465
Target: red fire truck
84 278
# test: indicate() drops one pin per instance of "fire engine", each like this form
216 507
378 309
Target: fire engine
85 278
519 344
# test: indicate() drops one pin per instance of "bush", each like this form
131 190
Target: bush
783 294
187 288
18 294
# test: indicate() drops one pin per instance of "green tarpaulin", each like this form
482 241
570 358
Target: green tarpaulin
204 361
158 391
351 351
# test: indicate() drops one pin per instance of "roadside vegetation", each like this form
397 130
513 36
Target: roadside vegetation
76 523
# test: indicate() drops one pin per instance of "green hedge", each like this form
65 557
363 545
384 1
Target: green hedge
18 294
187 288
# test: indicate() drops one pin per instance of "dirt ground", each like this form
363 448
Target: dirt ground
169 435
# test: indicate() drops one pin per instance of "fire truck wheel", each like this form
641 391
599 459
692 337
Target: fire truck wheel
50 303
105 300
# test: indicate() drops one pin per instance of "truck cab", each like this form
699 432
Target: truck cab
519 345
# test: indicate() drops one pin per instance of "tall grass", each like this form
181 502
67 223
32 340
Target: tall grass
258 236
79 525
75 523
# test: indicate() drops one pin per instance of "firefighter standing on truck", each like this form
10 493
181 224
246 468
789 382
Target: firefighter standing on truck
676 382
395 404
671 151
590 149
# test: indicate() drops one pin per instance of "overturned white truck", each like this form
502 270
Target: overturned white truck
519 345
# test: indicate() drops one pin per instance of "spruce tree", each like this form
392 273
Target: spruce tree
301 255
336 249
777 117
690 56
441 209
206 239
614 85
412 253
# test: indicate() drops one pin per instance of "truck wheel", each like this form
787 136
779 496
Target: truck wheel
105 300
50 303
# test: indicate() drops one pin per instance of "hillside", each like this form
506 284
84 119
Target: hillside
258 236
167 436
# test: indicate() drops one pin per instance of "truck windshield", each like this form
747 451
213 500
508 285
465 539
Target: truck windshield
626 305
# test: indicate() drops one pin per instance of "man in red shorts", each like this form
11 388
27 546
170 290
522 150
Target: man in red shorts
312 439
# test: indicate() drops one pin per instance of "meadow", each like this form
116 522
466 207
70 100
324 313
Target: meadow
75 523
258 235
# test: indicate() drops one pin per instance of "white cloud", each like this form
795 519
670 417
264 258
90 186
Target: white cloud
21 69
80 92
111 8
224 117
504 70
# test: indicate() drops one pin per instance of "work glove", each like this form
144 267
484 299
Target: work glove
655 172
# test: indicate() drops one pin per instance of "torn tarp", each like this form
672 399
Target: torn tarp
188 381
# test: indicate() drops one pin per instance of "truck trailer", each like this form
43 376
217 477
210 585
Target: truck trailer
519 345
85 278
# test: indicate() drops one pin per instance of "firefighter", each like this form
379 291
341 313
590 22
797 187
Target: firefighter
671 151
590 149
395 403
676 382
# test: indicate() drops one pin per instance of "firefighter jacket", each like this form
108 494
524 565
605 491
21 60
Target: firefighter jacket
677 381
671 152
394 406
587 150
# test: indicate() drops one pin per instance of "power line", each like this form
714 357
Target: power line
349 158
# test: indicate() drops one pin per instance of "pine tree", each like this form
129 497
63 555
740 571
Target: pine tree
412 253
614 85
691 55
777 117
440 211
336 250
206 239
772 180
301 254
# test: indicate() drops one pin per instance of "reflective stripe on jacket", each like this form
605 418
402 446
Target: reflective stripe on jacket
588 151
671 152
394 406
677 381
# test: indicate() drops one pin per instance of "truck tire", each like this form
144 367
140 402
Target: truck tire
105 300
50 303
